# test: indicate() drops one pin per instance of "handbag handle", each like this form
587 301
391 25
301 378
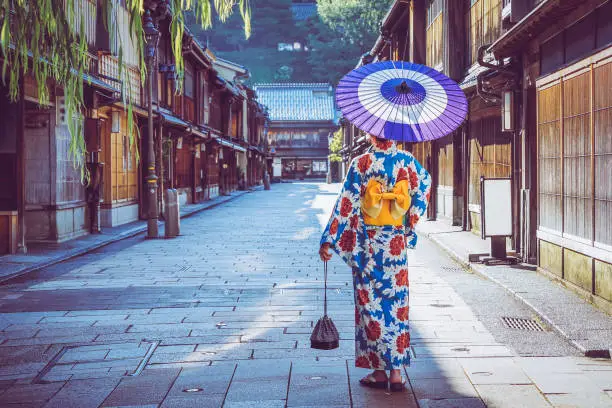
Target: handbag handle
325 291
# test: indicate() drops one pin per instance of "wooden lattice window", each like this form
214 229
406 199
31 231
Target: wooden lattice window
549 158
575 155
602 126
483 20
490 153
435 28
577 180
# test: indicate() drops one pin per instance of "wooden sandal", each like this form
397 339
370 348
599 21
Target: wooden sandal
371 382
397 386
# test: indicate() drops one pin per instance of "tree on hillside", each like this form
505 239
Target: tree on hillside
342 31
354 21
273 24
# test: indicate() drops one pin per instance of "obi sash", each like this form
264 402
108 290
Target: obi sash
379 207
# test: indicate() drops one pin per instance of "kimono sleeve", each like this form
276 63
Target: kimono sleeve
420 182
345 215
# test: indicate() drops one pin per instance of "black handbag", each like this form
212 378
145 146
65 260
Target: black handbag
325 335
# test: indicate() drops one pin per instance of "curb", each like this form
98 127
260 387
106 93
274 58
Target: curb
593 353
119 237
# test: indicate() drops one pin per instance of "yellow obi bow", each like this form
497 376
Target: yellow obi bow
385 208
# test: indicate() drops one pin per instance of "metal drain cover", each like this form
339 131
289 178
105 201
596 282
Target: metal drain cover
88 361
519 323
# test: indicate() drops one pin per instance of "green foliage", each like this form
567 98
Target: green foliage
355 21
46 38
336 37
335 146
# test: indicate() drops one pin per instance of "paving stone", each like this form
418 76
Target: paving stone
435 368
192 401
580 399
511 396
83 393
443 388
258 403
453 403
150 387
493 371
34 395
256 390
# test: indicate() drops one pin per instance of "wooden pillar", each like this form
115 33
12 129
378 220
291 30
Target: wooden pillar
418 36
194 172
454 38
21 168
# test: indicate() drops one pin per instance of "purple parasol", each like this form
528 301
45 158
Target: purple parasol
401 101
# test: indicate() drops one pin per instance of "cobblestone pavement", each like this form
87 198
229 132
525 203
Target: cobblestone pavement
221 316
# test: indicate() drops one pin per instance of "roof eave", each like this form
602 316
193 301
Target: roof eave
512 40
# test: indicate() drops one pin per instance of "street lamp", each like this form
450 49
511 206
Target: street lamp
151 34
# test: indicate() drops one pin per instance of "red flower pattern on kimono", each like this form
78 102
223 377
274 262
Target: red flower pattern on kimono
362 362
402 175
402 342
346 207
373 330
414 218
371 233
364 163
414 179
397 245
374 359
354 221
401 278
363 296
402 313
347 241
357 315
333 228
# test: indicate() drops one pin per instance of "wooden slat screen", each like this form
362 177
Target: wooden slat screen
578 203
445 162
489 153
212 176
435 44
183 166
124 168
603 152
483 19
549 157
577 182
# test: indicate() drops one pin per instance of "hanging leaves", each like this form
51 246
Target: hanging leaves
47 40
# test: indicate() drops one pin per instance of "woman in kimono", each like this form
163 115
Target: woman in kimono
385 192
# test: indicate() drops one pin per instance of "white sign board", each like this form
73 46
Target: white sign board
496 207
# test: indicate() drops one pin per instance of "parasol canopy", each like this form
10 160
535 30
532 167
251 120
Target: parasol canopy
401 101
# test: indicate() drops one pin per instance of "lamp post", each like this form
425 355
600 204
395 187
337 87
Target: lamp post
151 34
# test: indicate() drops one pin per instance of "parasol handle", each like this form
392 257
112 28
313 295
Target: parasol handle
325 291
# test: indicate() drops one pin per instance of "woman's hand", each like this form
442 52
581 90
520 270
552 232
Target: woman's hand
324 252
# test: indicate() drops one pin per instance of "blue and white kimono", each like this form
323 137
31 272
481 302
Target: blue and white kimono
376 253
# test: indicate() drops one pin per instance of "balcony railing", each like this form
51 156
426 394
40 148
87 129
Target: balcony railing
128 81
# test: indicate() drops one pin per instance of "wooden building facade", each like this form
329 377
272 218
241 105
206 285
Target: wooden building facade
42 196
302 120
537 77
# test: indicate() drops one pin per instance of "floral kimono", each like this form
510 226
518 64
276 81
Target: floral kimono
385 192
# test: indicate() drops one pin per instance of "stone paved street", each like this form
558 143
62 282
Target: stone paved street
221 317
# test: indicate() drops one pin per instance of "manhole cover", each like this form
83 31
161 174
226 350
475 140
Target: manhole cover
97 361
519 323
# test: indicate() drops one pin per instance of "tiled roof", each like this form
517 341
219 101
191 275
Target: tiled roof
297 101
302 11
